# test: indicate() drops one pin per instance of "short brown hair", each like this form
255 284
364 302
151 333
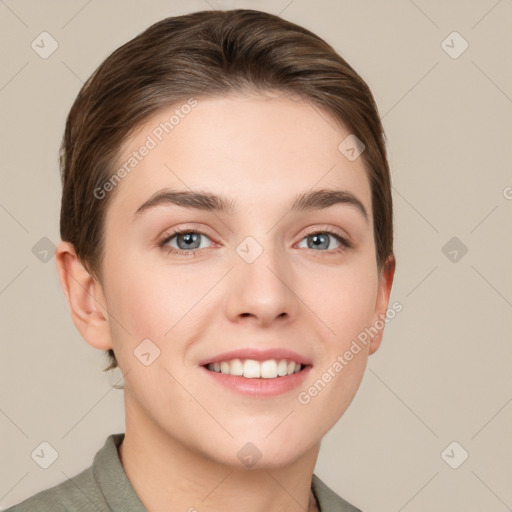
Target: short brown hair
198 54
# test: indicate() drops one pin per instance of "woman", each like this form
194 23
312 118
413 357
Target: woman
227 237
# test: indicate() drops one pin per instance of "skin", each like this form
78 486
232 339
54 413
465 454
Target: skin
183 431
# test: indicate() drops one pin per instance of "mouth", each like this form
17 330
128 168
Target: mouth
256 372
254 369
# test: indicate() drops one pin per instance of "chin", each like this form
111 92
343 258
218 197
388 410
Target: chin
253 453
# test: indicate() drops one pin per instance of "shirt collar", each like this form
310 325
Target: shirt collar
112 480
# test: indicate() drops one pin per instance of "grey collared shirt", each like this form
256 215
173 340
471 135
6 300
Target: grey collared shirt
104 487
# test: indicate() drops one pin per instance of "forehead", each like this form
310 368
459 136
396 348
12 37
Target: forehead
251 149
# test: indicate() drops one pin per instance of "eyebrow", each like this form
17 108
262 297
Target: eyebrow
207 201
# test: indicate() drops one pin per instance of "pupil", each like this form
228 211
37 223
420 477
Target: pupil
317 240
190 238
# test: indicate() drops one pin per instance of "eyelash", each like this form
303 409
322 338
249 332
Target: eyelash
345 244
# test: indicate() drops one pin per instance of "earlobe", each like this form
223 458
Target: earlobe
381 306
85 298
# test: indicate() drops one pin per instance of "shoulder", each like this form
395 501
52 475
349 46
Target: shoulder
328 500
74 494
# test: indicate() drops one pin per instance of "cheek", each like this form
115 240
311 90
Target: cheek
348 308
344 300
152 302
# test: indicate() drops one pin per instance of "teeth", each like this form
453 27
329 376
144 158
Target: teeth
236 367
251 369
269 369
282 368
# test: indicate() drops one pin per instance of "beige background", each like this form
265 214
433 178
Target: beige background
443 372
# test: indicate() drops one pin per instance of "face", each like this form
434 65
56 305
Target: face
188 283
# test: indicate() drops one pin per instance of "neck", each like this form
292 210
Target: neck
166 474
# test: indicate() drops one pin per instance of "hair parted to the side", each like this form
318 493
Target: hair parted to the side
203 54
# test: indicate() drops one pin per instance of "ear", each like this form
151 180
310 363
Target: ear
85 298
381 305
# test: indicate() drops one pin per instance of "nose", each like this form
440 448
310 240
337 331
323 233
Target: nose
262 291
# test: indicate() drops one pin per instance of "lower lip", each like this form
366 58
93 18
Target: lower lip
259 386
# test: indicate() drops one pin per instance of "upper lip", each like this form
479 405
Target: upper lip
258 354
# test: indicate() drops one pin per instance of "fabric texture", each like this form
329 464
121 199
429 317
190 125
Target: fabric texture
104 487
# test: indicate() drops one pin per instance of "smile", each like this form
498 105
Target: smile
257 372
252 369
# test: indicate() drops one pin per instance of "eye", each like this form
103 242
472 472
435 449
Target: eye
322 240
188 242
